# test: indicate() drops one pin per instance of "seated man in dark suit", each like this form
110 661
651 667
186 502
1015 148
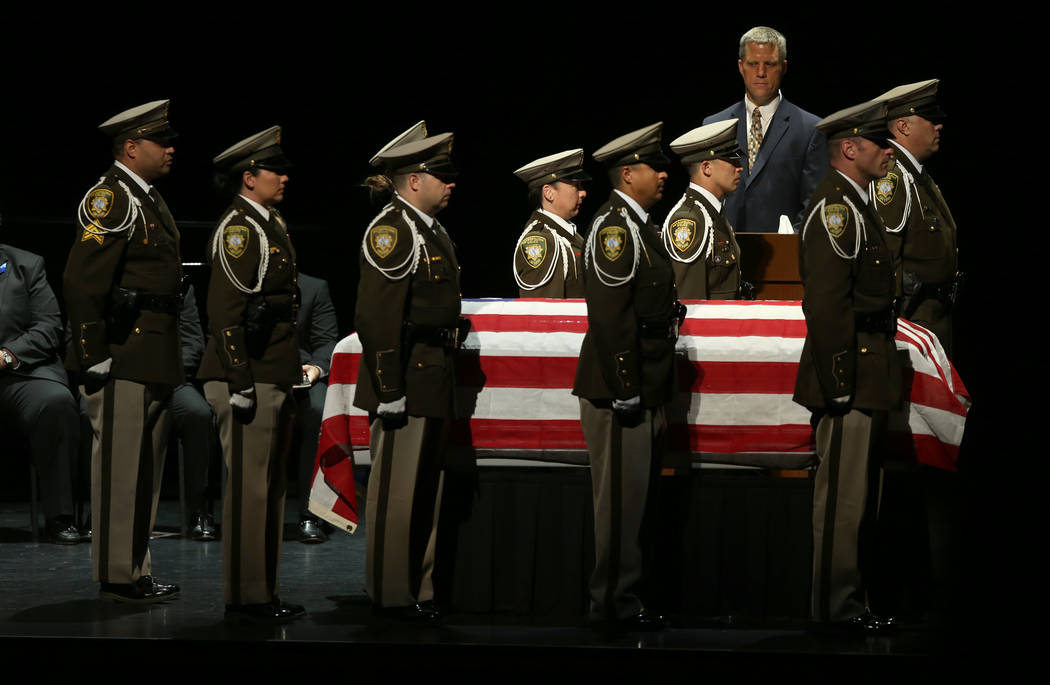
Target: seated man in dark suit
318 333
194 422
785 155
34 394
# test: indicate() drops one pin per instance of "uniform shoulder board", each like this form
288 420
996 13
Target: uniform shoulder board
107 208
391 244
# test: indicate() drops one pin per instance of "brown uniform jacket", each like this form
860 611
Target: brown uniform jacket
618 360
144 256
921 231
847 276
714 276
540 260
403 309
233 354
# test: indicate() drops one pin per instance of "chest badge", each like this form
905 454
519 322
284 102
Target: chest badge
235 240
612 240
683 232
383 240
534 249
835 219
885 187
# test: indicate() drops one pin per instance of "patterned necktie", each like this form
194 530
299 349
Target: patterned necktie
754 141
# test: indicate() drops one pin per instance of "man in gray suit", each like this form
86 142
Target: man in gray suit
34 394
785 154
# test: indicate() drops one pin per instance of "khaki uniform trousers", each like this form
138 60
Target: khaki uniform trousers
256 456
129 422
401 511
845 504
623 462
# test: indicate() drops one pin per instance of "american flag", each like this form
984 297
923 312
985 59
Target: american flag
736 377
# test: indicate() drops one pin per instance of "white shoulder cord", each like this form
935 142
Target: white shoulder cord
834 245
707 241
405 267
131 214
264 255
560 244
606 278
909 187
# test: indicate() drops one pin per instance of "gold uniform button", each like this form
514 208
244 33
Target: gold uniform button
864 350
137 329
623 372
379 372
233 347
627 385
83 341
419 365
228 334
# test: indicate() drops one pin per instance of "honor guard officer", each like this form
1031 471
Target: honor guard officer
915 213
625 375
122 289
408 322
249 368
849 375
701 243
548 261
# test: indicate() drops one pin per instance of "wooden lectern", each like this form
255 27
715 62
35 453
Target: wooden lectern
770 262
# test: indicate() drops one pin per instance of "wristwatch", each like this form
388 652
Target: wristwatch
6 356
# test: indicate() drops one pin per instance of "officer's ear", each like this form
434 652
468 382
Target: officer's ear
248 180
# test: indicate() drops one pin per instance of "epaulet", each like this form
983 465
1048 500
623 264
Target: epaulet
234 236
842 222
892 195
391 234
108 207
615 236
683 238
535 243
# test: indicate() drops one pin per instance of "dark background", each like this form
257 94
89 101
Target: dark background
514 83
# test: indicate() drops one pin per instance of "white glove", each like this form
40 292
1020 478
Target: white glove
842 401
99 371
628 406
391 408
242 403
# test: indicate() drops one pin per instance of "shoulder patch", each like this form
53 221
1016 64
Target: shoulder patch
683 233
235 240
612 239
885 187
534 249
835 219
100 202
383 240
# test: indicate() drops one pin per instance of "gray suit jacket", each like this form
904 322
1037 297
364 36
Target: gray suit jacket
30 323
317 328
792 160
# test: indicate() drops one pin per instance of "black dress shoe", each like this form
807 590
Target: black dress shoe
643 621
145 590
203 528
274 612
421 612
296 610
869 623
311 532
61 531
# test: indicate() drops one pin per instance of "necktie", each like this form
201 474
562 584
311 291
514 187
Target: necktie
754 141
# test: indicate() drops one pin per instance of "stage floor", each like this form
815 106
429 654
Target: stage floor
49 607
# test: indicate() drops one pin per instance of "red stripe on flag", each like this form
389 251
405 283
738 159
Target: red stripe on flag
736 328
528 323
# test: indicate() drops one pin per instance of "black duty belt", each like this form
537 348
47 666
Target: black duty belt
663 329
434 336
162 304
884 321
